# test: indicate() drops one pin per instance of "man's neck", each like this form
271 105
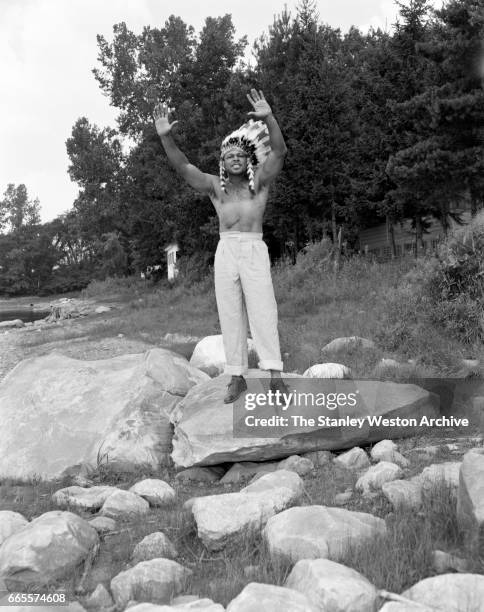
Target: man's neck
237 180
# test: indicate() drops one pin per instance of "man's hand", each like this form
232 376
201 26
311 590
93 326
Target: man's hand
261 107
162 124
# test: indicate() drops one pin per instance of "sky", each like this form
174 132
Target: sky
48 49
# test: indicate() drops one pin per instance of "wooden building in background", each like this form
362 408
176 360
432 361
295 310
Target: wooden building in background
378 240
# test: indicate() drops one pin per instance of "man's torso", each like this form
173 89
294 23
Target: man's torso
239 209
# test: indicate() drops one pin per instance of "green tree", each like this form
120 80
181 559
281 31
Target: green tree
17 210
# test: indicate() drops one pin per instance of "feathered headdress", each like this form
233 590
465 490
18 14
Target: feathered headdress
253 139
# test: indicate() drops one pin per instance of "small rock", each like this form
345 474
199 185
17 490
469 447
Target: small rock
341 499
405 606
386 450
319 532
155 545
388 363
99 598
223 519
13 323
103 524
354 459
247 469
301 465
328 370
443 562
348 343
122 503
101 309
333 587
403 494
439 474
81 498
377 475
425 451
257 597
200 474
157 581
156 492
319 458
449 592
10 522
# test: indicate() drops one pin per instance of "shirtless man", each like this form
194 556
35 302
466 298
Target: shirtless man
243 284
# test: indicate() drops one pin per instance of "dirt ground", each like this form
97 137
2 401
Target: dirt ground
71 337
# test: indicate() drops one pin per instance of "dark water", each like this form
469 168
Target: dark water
26 314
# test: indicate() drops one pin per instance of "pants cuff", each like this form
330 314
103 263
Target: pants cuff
271 365
235 370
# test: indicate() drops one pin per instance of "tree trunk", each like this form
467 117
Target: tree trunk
392 237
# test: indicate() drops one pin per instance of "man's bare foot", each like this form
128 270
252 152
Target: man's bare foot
235 388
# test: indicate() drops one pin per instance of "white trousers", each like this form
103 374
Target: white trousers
244 292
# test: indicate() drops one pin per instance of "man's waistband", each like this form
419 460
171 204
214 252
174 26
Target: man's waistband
240 236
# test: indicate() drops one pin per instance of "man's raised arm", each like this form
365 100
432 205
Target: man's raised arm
275 160
200 181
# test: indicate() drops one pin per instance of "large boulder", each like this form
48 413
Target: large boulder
223 520
450 592
470 498
57 412
205 433
209 354
46 549
319 532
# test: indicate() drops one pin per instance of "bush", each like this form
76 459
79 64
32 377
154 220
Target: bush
452 283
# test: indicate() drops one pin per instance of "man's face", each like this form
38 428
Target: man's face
235 161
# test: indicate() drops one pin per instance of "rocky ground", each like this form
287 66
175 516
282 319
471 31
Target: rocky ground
394 526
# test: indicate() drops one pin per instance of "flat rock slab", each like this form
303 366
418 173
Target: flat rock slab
319 532
333 587
256 597
47 548
223 519
204 425
57 412
450 592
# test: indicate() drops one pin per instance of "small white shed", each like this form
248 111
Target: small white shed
171 250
